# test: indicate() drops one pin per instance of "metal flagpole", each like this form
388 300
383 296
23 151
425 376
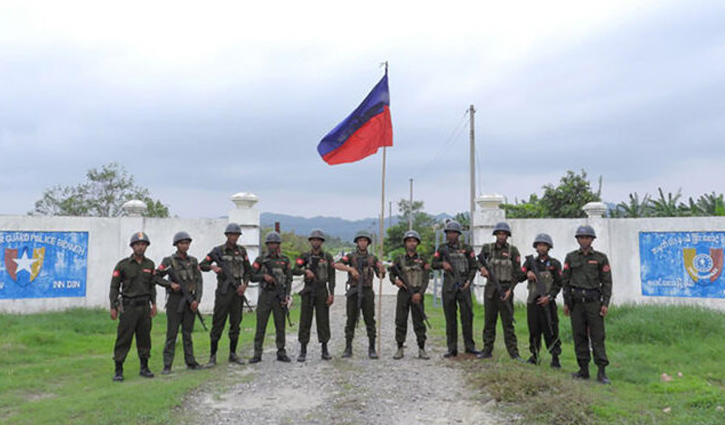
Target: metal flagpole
380 251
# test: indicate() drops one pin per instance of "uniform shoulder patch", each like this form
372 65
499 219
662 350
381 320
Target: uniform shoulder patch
473 254
300 262
162 267
606 268
437 254
116 273
566 266
208 258
256 265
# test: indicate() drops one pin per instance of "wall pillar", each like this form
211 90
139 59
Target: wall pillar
247 216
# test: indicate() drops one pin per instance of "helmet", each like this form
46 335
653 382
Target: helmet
363 234
273 237
140 237
502 226
233 228
543 238
411 234
453 226
317 234
181 236
585 230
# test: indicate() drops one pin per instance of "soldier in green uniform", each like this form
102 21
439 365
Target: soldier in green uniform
540 320
417 274
505 261
318 267
273 271
134 282
587 284
460 265
361 267
231 265
184 280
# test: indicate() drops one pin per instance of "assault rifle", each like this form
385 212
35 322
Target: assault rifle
541 292
459 283
358 289
230 279
395 269
188 298
279 290
483 259
313 264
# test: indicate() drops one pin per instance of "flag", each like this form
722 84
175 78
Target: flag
363 132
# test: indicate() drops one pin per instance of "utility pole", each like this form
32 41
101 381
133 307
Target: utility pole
472 159
410 216
390 214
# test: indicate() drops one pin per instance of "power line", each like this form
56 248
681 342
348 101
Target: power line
454 137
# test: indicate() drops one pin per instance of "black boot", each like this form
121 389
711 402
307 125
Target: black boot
303 353
282 356
555 364
145 372
583 372
233 358
118 376
602 377
348 349
325 354
212 361
371 349
167 369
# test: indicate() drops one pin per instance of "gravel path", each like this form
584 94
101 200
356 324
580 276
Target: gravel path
347 391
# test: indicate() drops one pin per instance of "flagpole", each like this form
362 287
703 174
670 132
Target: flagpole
381 238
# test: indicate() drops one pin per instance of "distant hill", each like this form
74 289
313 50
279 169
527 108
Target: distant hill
335 226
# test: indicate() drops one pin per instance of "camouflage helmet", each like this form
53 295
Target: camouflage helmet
140 237
502 226
181 236
273 237
453 226
363 234
317 234
543 238
585 230
233 228
411 234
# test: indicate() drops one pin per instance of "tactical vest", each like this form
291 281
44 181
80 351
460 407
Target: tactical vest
368 268
321 272
234 263
503 268
185 272
279 267
413 272
546 277
459 261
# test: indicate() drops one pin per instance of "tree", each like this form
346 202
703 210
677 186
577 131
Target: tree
423 223
634 209
525 209
103 195
668 206
708 205
563 201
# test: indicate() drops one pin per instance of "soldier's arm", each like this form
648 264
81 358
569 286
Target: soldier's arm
426 277
152 284
199 279
300 263
437 262
379 268
344 264
392 272
473 265
518 274
257 272
288 278
247 274
162 271
115 285
206 263
331 278
605 275
556 274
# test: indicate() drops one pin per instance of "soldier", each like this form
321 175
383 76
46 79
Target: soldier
134 282
273 271
587 283
541 313
361 266
317 295
231 265
417 274
183 295
505 261
459 264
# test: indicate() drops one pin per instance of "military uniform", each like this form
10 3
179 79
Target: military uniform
314 295
463 260
417 274
370 266
587 285
505 261
270 300
227 302
133 292
550 272
184 270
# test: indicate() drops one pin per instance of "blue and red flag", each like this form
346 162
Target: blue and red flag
363 132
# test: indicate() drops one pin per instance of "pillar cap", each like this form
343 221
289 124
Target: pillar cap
595 209
491 201
134 208
244 199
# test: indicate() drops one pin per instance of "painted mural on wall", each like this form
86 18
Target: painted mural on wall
43 264
682 264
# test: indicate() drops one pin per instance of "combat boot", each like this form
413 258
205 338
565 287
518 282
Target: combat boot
233 358
256 358
325 354
145 372
602 377
167 370
422 354
555 364
583 372
212 361
303 353
371 349
118 376
533 360
398 354
282 357
348 349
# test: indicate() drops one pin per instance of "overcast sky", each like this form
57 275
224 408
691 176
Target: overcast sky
199 100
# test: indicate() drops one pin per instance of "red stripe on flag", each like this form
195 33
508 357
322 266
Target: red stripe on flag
373 135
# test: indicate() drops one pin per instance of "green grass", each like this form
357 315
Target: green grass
643 342
56 368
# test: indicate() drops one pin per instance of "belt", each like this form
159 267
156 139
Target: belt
135 302
582 295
